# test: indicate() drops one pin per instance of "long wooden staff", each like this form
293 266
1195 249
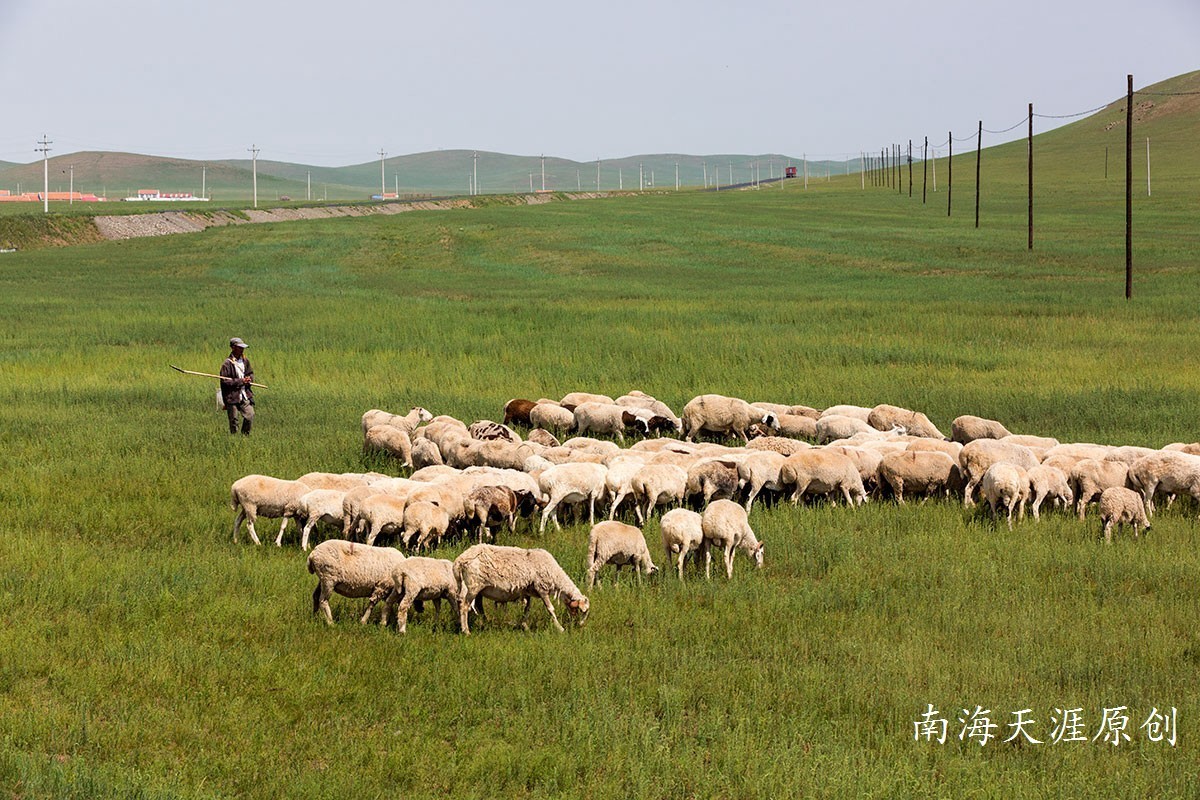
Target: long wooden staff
209 375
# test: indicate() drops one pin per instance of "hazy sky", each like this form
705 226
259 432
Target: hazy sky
331 83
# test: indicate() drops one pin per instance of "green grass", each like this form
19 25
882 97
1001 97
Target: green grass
145 655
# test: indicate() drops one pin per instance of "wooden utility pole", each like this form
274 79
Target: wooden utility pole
949 169
1031 176
910 169
925 169
978 161
1129 189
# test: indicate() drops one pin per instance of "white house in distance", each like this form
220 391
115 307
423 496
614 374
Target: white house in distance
156 195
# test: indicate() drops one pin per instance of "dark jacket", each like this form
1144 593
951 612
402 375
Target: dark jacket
229 390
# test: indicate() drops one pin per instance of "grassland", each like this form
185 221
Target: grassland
142 654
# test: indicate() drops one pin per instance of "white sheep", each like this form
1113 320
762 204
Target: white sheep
1091 477
657 408
1121 506
924 471
884 417
712 479
822 472
832 427
979 455
507 574
417 580
261 495
552 417
967 428
858 412
760 471
682 533
408 423
777 444
608 419
723 416
351 570
425 453
1051 482
383 513
616 543
352 501
1006 485
574 399
618 481
655 485
571 483
317 506
1167 471
726 526
389 440
425 524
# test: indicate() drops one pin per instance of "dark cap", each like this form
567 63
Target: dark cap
236 342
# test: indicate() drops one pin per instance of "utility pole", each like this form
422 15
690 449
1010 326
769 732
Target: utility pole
71 191
382 174
578 182
543 172
597 174
729 180
45 151
254 171
475 172
308 191
1147 167
621 178
204 180
641 178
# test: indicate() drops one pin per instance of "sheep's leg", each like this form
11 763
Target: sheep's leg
593 568
680 560
592 509
308 526
969 492
729 561
402 612
638 508
1107 531
1081 505
551 510
523 623
250 517
237 521
376 527
464 607
707 560
380 592
898 490
1036 506
549 607
323 593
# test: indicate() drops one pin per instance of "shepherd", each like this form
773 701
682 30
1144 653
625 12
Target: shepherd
237 376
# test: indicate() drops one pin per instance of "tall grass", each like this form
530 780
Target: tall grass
145 655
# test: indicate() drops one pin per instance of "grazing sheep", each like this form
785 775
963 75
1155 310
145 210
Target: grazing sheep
571 483
968 428
352 521
383 513
574 399
586 444
342 481
407 423
1049 482
1091 477
1129 453
506 574
1006 485
1075 449
516 411
424 454
389 440
543 437
712 480
791 426
608 419
979 455
837 426
492 504
657 408
924 471
857 412
723 416
351 570
425 524
1121 506
884 417
552 417
682 533
317 506
261 495
781 408
616 543
434 473
1167 471
726 526
443 432
1034 443
866 461
417 580
618 481
655 485
486 430
761 471
820 472
776 444
1192 449
952 449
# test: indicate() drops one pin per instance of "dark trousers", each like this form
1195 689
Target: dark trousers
247 412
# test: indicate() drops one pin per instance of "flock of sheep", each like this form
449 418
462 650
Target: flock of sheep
477 480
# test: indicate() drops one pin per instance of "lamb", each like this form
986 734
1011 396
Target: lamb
760 471
256 495
884 417
712 479
505 574
516 411
417 580
1121 506
1091 477
317 506
657 484
979 455
822 472
1049 482
616 543
918 470
425 524
1167 471
571 483
1006 485
968 428
835 426
723 416
608 419
351 570
407 423
552 417
682 533
390 440
492 504
725 525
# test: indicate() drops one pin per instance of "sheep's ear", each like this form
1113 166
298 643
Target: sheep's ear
628 418
761 545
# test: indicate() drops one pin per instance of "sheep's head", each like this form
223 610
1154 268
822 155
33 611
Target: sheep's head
631 420
422 414
771 420
758 555
578 608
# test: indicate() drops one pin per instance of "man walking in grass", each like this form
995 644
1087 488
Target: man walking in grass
236 377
